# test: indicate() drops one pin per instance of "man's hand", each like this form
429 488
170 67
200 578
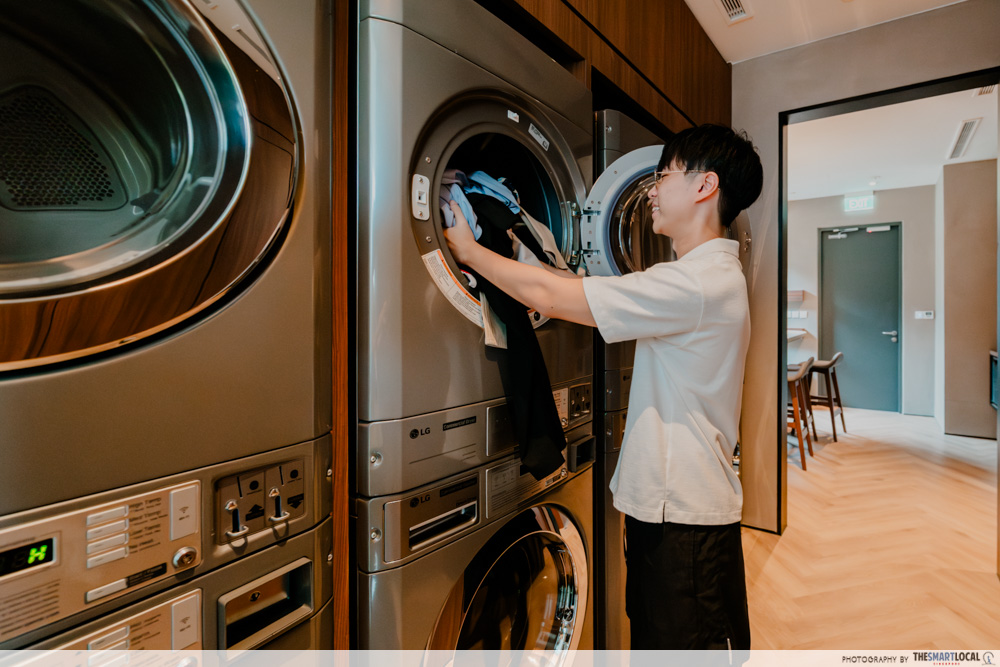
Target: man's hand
461 240
553 295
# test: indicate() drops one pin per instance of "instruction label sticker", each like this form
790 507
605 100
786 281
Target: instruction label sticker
539 137
452 289
561 397
513 115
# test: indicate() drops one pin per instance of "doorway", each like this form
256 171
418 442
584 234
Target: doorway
804 212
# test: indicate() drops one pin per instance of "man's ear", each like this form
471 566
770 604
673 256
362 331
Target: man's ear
708 186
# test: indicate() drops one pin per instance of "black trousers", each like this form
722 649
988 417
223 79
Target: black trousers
685 586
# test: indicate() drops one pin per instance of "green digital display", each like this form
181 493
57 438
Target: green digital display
27 556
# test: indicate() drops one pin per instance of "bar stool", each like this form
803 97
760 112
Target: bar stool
828 369
798 409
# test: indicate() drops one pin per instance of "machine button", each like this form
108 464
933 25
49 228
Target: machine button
113 541
185 616
107 529
107 515
107 557
107 640
184 512
106 590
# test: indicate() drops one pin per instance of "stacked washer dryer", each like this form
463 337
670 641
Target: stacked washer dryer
165 395
625 154
458 547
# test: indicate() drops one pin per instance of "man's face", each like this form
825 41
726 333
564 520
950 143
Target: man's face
671 199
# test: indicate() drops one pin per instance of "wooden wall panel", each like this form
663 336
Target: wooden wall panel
663 40
653 50
343 179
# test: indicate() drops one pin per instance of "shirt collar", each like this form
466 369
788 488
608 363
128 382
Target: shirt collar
715 245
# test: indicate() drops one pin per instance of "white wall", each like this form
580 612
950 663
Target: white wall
950 41
914 209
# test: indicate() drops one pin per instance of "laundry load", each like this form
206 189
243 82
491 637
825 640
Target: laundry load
535 420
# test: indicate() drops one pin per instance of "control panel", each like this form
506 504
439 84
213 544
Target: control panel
68 563
174 625
405 453
55 567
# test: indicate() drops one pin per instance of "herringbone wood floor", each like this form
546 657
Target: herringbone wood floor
891 542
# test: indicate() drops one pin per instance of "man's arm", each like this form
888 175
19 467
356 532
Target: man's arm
551 294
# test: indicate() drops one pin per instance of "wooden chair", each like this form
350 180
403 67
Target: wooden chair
828 369
798 406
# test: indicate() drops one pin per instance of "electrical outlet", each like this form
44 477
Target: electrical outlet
923 315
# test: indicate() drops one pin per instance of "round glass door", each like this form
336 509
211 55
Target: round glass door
129 132
527 589
617 227
528 600
508 140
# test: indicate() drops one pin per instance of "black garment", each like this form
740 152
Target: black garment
685 586
533 413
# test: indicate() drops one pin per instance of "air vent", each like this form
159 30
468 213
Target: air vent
965 133
985 90
734 10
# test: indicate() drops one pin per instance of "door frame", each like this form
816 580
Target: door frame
899 300
873 100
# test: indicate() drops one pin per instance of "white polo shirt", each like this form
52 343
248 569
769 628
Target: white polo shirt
691 323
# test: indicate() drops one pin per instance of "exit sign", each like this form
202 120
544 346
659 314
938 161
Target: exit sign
861 201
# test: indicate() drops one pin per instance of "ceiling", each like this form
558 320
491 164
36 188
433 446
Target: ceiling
775 25
897 146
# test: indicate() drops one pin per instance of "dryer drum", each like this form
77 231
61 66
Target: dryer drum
507 138
636 247
148 166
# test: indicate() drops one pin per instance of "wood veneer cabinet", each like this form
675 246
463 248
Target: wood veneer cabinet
654 51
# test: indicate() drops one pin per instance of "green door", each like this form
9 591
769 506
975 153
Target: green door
860 312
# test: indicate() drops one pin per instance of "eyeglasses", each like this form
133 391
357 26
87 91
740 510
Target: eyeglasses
659 175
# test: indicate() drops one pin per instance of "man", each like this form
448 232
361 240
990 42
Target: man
685 586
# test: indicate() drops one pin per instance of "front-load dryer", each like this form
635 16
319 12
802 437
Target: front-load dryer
632 247
487 559
444 84
165 318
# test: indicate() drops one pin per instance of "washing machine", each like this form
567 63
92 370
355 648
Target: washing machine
636 247
165 318
444 84
491 558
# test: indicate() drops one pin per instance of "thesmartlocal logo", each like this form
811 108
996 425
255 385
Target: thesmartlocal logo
955 657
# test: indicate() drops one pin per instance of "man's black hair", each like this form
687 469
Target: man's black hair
730 155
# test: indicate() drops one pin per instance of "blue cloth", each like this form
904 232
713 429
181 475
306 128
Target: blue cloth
454 193
484 184
455 185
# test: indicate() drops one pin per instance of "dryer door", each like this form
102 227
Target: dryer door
525 590
149 164
506 138
616 229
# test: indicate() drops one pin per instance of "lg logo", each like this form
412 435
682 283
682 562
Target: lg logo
416 500
416 433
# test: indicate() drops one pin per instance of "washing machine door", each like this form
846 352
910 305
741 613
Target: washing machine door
525 590
616 229
148 167
506 137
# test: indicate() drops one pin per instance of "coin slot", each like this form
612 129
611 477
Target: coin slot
443 525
